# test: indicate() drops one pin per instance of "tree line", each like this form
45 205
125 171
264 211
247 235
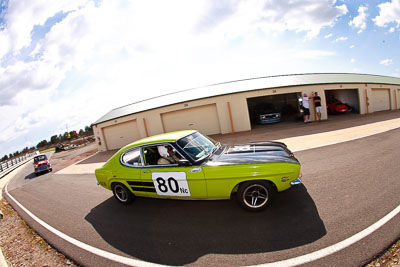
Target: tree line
55 139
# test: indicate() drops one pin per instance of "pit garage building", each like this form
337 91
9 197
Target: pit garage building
232 106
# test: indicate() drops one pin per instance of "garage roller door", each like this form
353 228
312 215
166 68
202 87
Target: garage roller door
397 98
381 99
203 119
121 134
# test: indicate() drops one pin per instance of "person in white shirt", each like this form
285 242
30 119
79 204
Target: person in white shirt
306 108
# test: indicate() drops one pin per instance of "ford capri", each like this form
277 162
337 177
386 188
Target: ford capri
190 165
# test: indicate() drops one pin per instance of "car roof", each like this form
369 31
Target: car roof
160 138
40 155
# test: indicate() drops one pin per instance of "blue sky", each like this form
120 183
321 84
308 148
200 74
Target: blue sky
64 64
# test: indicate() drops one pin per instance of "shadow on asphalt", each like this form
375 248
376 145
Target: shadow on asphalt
177 232
33 176
30 176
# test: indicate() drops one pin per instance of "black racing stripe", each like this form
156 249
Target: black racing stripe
150 184
143 189
135 183
139 183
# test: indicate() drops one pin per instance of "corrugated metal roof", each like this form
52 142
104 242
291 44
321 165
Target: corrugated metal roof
242 86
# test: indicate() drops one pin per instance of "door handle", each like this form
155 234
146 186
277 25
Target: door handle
146 171
195 170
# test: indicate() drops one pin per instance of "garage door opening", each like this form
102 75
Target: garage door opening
274 108
342 101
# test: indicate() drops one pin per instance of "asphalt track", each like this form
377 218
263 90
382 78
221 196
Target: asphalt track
347 187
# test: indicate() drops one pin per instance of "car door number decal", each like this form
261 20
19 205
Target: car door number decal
170 183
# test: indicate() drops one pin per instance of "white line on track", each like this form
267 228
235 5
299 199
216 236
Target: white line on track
319 254
73 241
289 262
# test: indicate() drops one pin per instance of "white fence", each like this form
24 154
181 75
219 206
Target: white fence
7 166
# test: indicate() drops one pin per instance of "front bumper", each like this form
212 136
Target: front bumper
269 118
298 180
42 168
268 121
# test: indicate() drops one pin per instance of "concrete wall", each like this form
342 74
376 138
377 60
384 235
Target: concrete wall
232 109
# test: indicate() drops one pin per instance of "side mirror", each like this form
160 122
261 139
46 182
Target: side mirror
184 162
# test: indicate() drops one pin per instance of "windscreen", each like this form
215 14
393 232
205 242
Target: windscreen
197 146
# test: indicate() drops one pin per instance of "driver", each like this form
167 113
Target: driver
167 158
171 155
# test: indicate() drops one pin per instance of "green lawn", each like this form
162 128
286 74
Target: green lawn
47 150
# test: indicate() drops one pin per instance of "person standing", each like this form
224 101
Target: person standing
318 108
306 108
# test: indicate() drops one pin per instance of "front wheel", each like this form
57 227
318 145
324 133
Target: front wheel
122 194
255 195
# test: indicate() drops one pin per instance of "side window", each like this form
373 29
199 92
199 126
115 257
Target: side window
132 158
163 154
151 155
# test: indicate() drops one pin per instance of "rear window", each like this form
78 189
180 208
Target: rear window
132 158
39 158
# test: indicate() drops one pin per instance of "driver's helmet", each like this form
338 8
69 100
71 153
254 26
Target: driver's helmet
162 150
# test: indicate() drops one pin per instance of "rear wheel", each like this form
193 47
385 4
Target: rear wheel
255 195
122 194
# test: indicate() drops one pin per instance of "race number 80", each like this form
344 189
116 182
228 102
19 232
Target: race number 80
170 183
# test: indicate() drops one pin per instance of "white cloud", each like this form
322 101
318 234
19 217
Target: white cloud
328 36
278 16
92 61
389 13
32 76
386 62
361 20
352 46
4 42
391 30
313 54
23 15
90 35
100 57
341 39
352 60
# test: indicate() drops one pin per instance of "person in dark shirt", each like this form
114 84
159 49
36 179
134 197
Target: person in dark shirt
318 108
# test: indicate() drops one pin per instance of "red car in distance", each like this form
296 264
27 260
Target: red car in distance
335 106
41 164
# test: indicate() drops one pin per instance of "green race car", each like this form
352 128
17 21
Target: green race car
189 165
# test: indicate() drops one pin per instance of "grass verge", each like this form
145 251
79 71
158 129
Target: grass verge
22 246
47 150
